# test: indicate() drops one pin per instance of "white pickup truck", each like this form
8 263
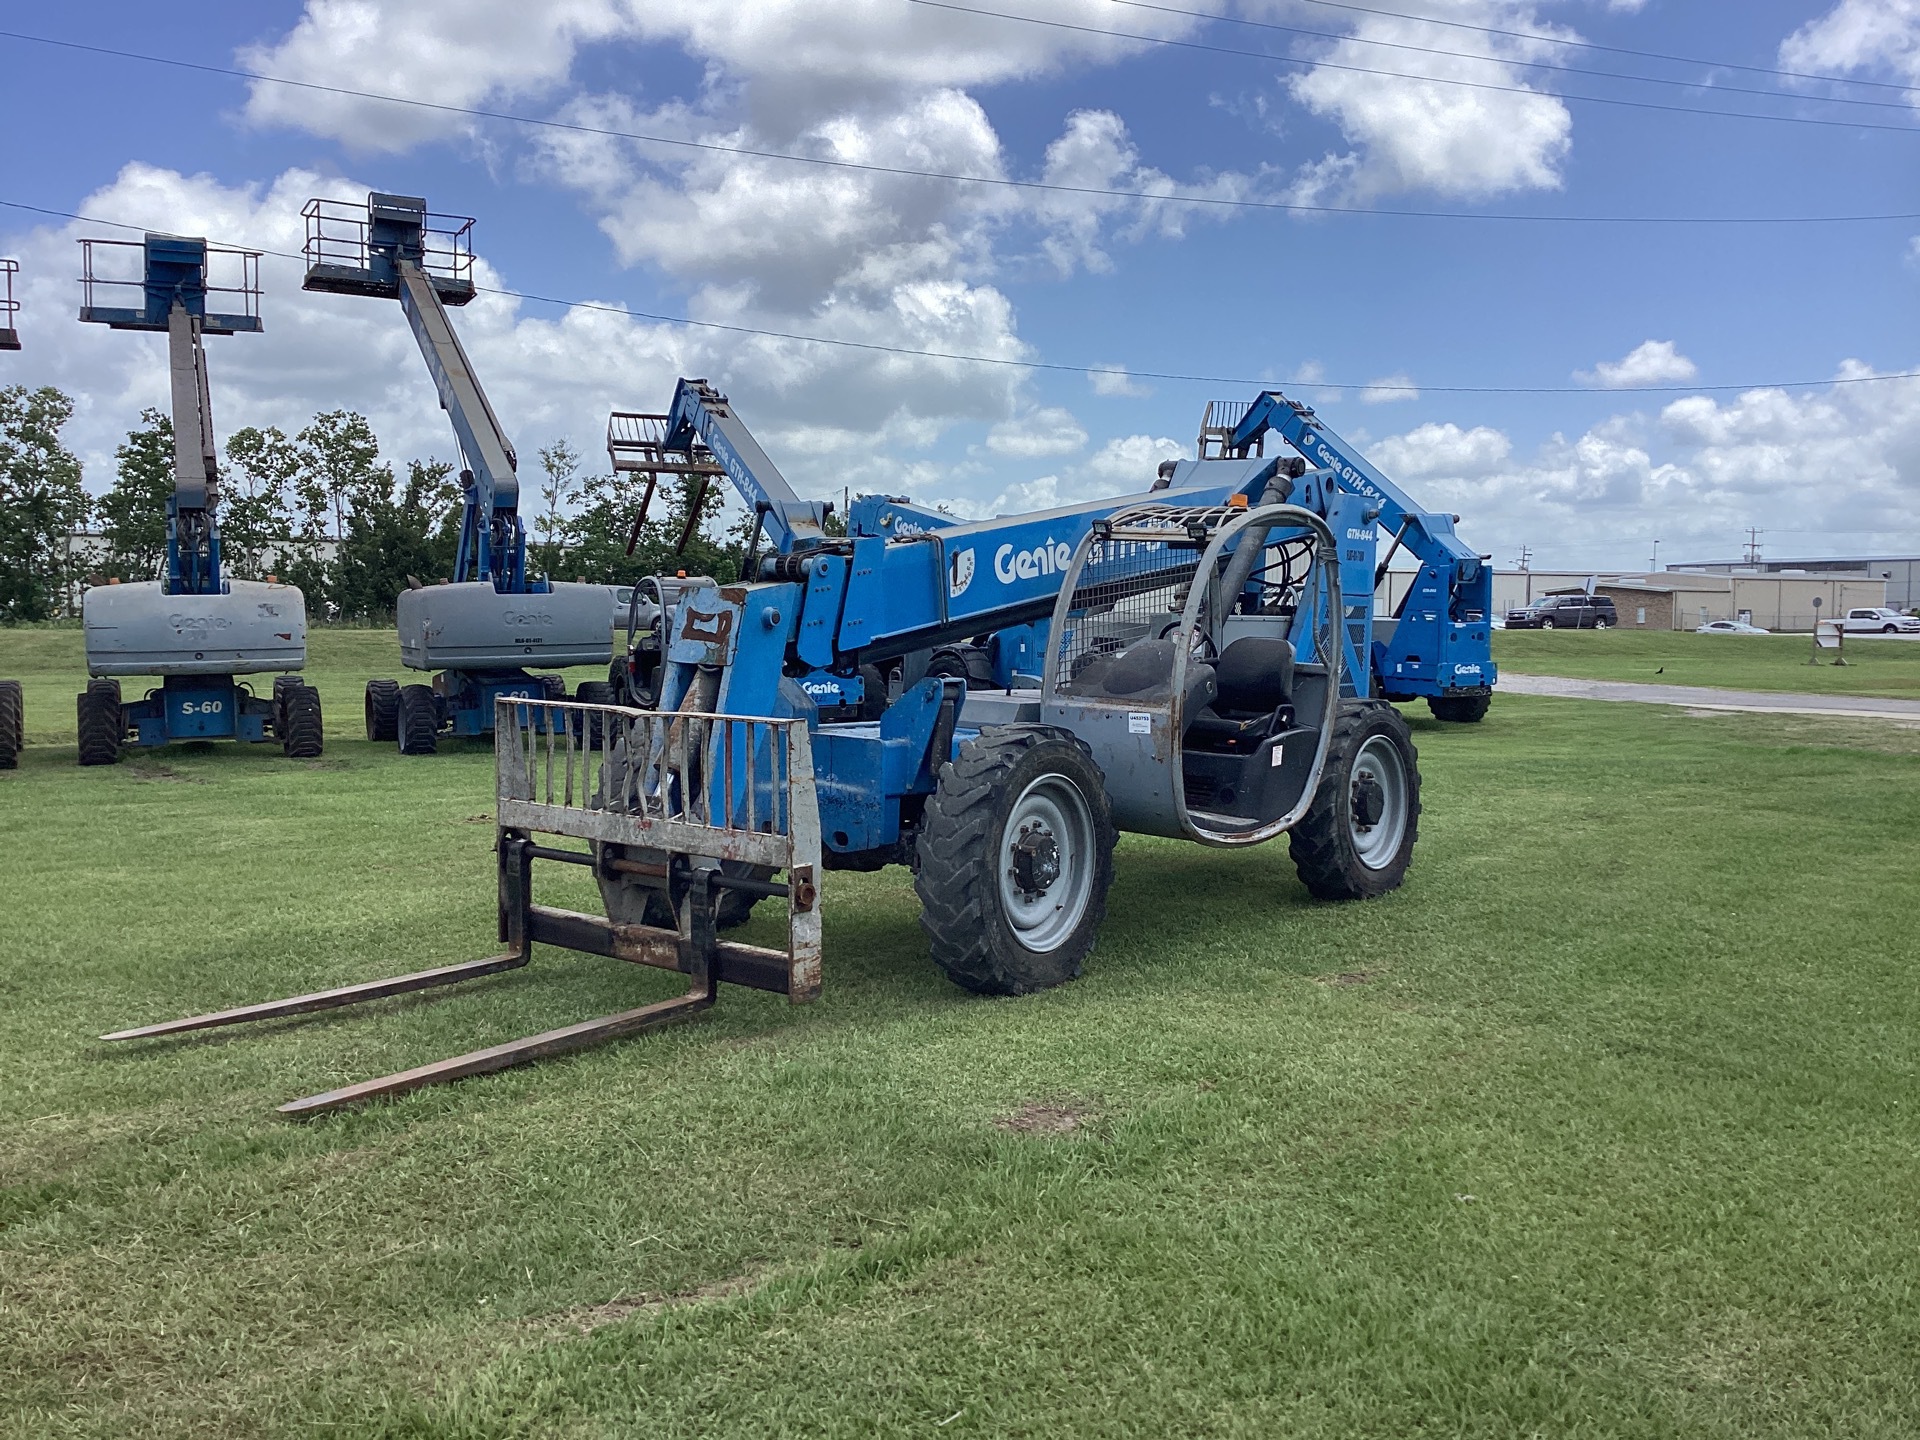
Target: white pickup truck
1880 621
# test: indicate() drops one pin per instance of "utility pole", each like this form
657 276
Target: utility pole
1525 562
1753 545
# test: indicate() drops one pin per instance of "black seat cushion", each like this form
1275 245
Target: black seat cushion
1145 666
1255 676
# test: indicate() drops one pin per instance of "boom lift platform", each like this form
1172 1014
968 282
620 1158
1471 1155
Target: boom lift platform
12 715
1198 683
195 627
482 631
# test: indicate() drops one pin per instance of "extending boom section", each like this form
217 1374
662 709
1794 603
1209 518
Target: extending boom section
1437 644
702 413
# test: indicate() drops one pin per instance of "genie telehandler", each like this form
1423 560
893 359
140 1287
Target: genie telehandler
194 627
479 635
1204 676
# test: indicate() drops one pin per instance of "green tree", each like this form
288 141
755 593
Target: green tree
41 504
393 539
340 461
560 488
596 537
133 512
256 508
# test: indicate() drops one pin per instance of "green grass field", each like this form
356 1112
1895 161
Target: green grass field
1875 666
1604 1125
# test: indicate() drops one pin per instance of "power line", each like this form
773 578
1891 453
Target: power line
1530 35
713 147
1773 94
1484 85
1059 367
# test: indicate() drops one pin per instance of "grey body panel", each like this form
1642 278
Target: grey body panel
1001 707
472 626
138 629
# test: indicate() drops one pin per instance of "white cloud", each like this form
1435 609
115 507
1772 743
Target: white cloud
1050 431
1696 473
1389 388
1114 380
1651 362
1873 35
1449 139
1127 465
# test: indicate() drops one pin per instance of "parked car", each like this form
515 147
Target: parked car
1730 627
1565 612
1879 620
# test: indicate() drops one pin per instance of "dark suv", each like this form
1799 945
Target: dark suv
1565 612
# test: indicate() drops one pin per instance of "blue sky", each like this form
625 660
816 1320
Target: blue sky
1319 304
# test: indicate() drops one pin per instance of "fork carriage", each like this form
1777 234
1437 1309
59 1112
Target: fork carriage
680 811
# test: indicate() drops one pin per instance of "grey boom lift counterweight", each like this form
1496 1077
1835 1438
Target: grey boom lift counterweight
482 631
12 712
195 627
1203 680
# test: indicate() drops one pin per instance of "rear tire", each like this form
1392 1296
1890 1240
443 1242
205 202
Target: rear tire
553 687
417 720
595 692
301 735
1356 839
102 726
1016 857
1548 624
12 723
383 711
1459 709
963 662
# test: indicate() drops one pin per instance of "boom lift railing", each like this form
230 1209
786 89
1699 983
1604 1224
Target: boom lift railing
687 792
9 307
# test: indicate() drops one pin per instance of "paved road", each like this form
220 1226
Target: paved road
1700 697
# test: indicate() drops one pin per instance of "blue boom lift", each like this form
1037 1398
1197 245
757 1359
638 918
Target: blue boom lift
482 631
12 710
195 627
1437 644
1202 678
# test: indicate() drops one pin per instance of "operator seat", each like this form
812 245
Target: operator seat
1253 696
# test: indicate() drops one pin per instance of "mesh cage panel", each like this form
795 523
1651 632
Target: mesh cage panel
1139 569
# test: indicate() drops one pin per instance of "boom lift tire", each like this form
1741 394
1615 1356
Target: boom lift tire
1459 709
1356 839
101 726
1015 860
553 687
383 711
963 662
12 723
595 692
301 734
417 721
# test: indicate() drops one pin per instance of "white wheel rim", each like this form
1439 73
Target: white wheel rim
1050 812
1376 845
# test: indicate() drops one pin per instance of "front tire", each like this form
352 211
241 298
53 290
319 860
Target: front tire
102 726
595 692
301 734
1016 858
1548 625
1356 839
383 711
418 720
1459 709
12 723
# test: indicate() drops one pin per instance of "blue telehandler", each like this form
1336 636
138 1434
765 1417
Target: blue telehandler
481 634
1203 677
195 627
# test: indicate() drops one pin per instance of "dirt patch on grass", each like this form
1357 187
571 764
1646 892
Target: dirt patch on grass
1347 977
1044 1118
588 1318
484 818
157 771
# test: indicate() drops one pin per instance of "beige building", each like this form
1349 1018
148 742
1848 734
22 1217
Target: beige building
1678 599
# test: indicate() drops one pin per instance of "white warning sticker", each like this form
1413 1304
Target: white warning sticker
1138 724
1279 756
